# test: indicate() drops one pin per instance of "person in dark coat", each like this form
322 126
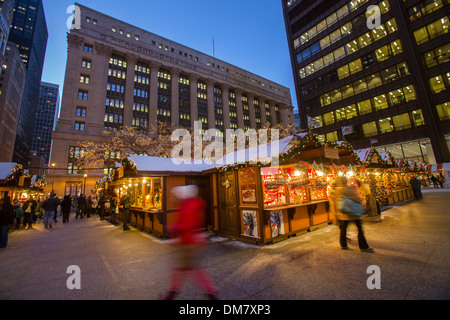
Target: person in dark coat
101 207
416 187
19 212
29 208
50 206
6 219
113 206
125 202
81 206
66 206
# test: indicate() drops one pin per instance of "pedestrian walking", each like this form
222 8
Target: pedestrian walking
94 205
113 206
416 187
50 205
125 202
441 179
89 205
18 212
81 206
435 181
6 219
339 192
101 207
189 229
66 206
58 210
29 208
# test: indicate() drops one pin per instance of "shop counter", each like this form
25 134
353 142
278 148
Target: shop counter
152 221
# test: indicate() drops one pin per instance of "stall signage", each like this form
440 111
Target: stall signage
331 153
120 172
21 181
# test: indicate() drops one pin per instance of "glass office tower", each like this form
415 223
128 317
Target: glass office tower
385 85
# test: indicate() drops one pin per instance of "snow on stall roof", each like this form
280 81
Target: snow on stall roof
156 164
259 153
5 169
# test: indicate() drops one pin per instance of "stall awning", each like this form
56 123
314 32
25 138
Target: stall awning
363 154
440 166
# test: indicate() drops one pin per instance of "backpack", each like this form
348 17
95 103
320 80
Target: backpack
350 207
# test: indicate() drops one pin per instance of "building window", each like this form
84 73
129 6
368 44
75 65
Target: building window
417 117
85 79
370 129
81 112
80 126
444 111
86 64
82 95
88 48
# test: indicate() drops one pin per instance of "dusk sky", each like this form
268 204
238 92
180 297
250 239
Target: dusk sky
248 34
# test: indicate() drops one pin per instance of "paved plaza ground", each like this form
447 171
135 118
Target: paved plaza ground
410 241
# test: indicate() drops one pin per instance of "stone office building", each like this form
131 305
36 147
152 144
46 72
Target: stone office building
118 75
386 86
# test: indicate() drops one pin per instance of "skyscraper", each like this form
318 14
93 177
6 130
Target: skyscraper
12 84
6 11
380 84
46 116
29 32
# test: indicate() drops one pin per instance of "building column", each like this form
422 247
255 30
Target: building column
251 109
175 98
210 98
193 80
262 109
129 91
273 114
226 106
72 79
100 66
153 108
239 109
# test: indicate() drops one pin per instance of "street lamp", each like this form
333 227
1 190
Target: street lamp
84 190
53 181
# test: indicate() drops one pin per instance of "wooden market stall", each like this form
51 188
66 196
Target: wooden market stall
380 173
17 183
150 181
264 202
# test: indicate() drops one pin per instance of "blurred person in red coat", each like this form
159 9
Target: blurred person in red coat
189 230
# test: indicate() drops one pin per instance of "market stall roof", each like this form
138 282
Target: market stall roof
165 166
260 153
5 169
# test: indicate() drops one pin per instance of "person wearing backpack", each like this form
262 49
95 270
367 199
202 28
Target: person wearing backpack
347 207
6 219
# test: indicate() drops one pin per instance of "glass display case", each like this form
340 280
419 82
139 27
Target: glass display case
145 193
292 185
